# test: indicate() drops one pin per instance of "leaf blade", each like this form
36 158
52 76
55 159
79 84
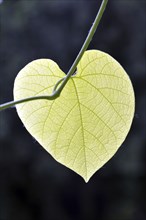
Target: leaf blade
86 125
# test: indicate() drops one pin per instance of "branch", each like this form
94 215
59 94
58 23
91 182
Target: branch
56 92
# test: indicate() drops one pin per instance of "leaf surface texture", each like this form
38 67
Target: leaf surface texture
85 126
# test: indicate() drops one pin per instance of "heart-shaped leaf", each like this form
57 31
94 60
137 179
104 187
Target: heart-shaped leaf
84 127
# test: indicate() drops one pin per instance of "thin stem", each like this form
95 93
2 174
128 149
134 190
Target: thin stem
56 92
85 45
33 98
57 84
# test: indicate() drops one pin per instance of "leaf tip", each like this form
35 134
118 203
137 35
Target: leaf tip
86 179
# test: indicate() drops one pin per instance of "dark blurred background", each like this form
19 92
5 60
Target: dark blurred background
33 186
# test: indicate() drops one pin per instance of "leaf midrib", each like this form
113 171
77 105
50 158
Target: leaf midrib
78 100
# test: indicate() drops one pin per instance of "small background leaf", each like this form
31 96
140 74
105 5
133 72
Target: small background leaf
85 126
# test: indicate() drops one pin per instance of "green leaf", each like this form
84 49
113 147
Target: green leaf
85 126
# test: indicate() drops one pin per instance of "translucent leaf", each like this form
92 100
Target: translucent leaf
85 126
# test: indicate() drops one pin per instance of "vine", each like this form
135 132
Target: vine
56 92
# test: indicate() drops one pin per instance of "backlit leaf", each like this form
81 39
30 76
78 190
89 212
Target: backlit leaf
85 126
